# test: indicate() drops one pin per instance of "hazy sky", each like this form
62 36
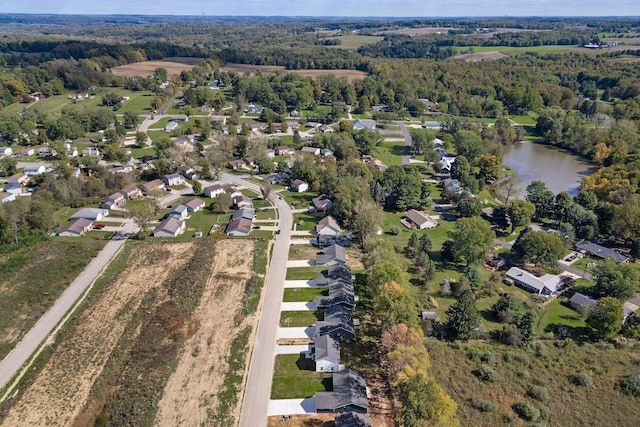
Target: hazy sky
404 8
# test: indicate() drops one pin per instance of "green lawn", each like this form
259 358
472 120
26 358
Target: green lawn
137 153
557 313
303 294
524 120
514 50
305 221
294 377
298 200
299 319
390 152
300 252
269 214
354 41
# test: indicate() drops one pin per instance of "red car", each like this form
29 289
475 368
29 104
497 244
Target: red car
98 226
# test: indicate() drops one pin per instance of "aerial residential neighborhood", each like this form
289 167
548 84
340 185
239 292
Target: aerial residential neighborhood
319 221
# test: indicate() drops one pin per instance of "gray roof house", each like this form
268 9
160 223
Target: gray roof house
546 285
326 353
339 294
352 419
170 227
324 240
334 254
600 251
349 394
322 203
91 213
338 322
579 299
243 213
194 205
359 124
180 212
340 271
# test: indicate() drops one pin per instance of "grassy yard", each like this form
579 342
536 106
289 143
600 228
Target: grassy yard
298 200
294 377
303 294
301 273
299 319
269 214
305 221
33 276
353 41
390 152
300 252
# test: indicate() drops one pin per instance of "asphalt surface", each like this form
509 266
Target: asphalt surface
406 154
258 388
12 363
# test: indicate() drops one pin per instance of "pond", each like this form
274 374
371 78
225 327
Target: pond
558 169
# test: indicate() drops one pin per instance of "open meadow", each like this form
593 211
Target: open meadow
173 66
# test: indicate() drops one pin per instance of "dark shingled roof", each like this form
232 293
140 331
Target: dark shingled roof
601 251
349 394
353 419
327 346
338 322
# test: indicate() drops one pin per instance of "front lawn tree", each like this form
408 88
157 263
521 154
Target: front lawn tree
463 317
539 247
605 319
142 212
472 238
520 213
617 280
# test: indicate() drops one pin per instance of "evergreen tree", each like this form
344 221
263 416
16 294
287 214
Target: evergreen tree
463 317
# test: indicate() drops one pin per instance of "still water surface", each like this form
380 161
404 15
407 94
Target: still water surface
558 169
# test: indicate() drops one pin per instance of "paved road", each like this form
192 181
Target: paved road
12 363
258 388
406 155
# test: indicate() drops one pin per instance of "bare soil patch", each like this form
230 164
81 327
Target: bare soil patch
480 56
350 75
173 66
62 386
418 31
324 420
190 395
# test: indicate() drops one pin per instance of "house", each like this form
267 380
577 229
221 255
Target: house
325 152
25 152
598 251
283 150
243 213
359 124
180 212
326 354
35 170
180 118
126 168
322 203
231 191
170 227
452 185
349 394
7 197
91 151
249 161
446 163
236 164
171 126
19 177
338 322
72 152
315 151
46 152
93 214
352 419
131 192
631 306
299 186
271 153
293 124
213 190
239 227
194 205
76 228
33 97
242 201
340 271
114 200
580 300
324 240
6 151
334 254
13 187
328 226
546 285
173 179
418 220
340 293
189 173
219 120
151 186
252 109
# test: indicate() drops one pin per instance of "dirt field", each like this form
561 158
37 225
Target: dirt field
63 385
190 394
481 56
350 75
418 31
173 65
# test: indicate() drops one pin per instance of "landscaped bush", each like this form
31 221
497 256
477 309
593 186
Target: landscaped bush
526 410
487 374
482 405
582 379
538 393
395 230
630 385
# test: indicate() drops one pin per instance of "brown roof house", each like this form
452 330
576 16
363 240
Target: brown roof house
329 226
76 228
113 201
131 192
239 227
322 203
154 185
194 205
417 220
170 227
299 186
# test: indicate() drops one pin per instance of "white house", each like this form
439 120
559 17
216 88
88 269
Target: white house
91 151
299 186
194 205
214 190
7 197
170 227
76 228
326 354
13 187
180 212
173 179
545 285
35 170
93 214
418 220
5 151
